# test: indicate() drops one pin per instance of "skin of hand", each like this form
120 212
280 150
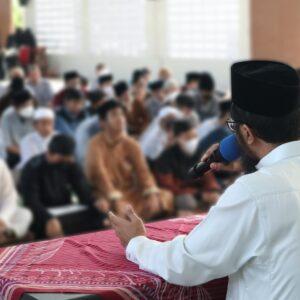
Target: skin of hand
129 227
152 205
54 228
102 205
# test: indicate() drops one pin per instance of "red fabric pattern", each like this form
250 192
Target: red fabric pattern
95 263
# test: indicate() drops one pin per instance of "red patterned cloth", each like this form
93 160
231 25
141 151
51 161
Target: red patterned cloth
95 263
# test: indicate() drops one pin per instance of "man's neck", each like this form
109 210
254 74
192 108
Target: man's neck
112 136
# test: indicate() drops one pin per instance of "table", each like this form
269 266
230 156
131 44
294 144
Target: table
95 263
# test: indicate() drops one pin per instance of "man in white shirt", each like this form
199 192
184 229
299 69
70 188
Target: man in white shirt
252 233
14 220
37 142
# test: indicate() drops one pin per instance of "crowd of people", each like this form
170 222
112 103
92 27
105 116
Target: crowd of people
70 157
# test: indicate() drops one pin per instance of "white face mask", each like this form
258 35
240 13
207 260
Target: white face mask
26 112
190 146
109 91
171 97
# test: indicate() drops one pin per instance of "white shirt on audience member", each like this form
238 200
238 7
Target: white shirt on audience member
33 144
252 234
15 217
207 127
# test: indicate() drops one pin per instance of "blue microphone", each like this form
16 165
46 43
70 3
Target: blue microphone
228 151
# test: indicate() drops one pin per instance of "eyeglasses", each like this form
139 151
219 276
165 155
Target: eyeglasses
232 125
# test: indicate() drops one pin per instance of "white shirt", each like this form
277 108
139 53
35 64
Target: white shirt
252 235
31 145
207 127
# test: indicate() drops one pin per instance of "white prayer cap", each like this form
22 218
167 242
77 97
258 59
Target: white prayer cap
43 113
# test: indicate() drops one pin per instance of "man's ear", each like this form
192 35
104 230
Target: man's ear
247 134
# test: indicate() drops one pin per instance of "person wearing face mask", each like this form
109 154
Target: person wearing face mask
16 123
53 180
37 141
72 81
72 113
172 166
106 85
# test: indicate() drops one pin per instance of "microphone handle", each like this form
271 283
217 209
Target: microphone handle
201 168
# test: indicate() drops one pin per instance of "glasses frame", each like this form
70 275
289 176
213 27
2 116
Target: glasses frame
232 125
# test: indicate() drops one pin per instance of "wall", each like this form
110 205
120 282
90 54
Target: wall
5 20
275 30
155 56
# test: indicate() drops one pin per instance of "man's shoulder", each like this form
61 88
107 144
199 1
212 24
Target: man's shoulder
35 163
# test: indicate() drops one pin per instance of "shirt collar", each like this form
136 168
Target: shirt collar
281 152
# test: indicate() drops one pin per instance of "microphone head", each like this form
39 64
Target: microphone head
229 148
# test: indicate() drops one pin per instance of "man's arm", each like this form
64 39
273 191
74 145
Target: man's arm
224 242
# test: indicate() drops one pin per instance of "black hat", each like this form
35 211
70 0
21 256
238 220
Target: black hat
108 106
267 88
73 94
206 82
62 144
71 75
105 78
184 125
96 95
184 100
20 97
156 85
120 87
192 76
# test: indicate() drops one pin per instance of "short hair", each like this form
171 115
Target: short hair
72 94
95 95
181 126
16 84
107 106
71 75
21 97
136 76
274 130
184 100
62 144
120 88
207 82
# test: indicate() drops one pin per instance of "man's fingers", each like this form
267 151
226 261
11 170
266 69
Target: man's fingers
131 213
209 152
115 220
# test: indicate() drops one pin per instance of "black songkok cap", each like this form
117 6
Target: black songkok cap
108 106
71 75
156 85
62 144
192 76
266 88
120 88
20 97
105 78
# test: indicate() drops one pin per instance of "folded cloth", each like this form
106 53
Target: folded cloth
95 263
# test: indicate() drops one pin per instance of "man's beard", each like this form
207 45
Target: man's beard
249 161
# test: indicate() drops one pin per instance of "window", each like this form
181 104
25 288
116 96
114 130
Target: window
57 25
117 27
207 29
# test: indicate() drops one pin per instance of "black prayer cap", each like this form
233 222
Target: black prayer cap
105 78
73 94
183 125
95 95
71 75
267 88
156 85
20 97
191 76
184 100
108 106
120 88
62 144
206 82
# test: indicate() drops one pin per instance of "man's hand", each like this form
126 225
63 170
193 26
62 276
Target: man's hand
102 205
152 205
54 229
128 228
2 226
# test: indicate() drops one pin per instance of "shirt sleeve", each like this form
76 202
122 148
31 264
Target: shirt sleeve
6 130
8 194
229 237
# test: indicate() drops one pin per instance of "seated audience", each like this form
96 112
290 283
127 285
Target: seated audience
41 87
117 170
71 113
156 100
192 84
52 180
186 105
221 129
171 170
16 123
106 84
159 134
36 142
72 81
14 219
207 101
96 99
